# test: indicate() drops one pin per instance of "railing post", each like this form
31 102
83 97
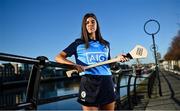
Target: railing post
1 91
149 88
151 83
135 95
1 83
118 101
129 92
33 82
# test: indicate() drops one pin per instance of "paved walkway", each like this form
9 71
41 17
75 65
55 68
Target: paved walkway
170 99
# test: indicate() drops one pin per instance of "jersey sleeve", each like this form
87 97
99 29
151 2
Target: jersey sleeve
71 49
109 53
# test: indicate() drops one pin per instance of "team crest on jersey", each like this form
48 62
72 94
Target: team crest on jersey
83 94
94 57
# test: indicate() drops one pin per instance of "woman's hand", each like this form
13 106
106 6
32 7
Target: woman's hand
79 68
122 58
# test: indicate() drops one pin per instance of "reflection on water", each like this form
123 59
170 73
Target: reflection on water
58 88
12 96
17 94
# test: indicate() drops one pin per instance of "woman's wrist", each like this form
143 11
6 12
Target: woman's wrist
75 66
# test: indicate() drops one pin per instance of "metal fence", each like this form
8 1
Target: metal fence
41 62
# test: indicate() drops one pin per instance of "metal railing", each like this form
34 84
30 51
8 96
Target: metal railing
131 97
34 80
32 99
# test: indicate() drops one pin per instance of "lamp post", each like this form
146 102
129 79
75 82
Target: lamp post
152 33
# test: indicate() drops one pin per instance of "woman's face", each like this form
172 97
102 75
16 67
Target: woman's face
91 25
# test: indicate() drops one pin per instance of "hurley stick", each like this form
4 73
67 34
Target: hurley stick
137 52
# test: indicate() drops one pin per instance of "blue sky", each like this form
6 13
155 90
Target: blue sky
45 27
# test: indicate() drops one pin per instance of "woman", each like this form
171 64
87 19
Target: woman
96 88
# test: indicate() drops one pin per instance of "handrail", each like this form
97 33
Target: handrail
16 58
55 64
135 84
134 92
34 79
149 85
30 60
5 54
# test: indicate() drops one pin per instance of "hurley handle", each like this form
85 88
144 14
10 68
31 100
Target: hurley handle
69 73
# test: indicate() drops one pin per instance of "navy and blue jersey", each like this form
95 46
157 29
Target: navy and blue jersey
96 52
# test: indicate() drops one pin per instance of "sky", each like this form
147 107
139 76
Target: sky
45 27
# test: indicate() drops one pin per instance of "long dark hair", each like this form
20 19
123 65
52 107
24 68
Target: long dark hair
84 33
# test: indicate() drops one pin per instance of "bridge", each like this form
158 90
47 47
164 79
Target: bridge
142 90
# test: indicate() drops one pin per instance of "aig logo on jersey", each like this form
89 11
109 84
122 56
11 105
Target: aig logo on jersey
94 57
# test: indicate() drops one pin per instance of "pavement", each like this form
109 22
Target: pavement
170 87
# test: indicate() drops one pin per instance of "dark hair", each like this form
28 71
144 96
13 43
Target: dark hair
84 33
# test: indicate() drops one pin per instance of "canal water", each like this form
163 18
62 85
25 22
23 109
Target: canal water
52 89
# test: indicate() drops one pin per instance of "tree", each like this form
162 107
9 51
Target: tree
174 50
